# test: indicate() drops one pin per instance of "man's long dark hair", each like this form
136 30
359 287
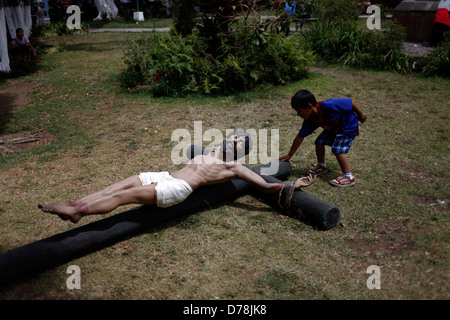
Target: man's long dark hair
247 146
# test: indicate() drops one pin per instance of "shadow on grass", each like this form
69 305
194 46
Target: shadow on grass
7 99
92 47
5 115
249 207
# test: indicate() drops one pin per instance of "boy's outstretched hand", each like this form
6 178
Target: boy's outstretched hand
305 181
361 117
359 114
285 158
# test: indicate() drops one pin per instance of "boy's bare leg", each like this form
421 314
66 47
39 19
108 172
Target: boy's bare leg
102 205
320 153
343 162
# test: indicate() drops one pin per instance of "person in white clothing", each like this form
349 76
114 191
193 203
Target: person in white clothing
40 13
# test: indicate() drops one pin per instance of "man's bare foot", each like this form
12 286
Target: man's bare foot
76 203
64 211
305 181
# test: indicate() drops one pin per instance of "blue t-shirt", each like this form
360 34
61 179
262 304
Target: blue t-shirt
335 115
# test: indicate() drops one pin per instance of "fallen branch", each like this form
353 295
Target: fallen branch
19 140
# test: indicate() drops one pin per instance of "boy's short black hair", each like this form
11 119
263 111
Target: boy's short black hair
19 29
302 99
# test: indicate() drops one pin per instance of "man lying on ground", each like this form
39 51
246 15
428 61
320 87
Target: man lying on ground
165 189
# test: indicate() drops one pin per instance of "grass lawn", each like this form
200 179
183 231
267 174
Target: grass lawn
94 133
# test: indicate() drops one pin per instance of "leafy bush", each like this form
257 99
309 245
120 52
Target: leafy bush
437 61
156 63
332 41
336 10
176 65
57 29
346 43
381 50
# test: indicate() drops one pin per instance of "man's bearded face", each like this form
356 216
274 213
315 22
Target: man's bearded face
232 147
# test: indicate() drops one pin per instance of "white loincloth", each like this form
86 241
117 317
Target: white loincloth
169 190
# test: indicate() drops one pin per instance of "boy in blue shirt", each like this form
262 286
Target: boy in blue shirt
339 119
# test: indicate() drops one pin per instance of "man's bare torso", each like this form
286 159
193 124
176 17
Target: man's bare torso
205 170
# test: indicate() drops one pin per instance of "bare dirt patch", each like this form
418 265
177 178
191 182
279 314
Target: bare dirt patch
16 96
381 243
388 238
12 142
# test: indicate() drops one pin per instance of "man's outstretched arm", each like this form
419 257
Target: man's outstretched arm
257 181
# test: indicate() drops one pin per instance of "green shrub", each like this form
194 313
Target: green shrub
129 78
176 65
344 42
382 50
437 61
157 63
288 61
336 10
57 29
332 41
